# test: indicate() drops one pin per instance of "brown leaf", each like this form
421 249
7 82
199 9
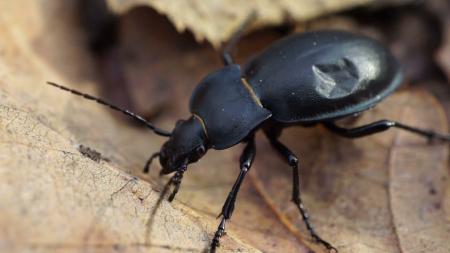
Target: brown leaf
215 21
56 199
442 55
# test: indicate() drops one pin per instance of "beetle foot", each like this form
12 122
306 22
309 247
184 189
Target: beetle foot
215 242
327 245
434 137
219 233
176 181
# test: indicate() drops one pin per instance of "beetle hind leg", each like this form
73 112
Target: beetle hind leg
292 160
383 125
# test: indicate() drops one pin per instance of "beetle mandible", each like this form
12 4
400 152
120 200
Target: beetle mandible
304 79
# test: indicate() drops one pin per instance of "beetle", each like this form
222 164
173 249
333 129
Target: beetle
304 79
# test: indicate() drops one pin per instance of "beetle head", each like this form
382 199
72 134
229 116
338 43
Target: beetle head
187 144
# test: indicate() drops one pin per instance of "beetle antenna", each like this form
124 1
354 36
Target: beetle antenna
126 112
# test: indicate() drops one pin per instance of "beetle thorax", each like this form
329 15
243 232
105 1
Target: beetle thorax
228 107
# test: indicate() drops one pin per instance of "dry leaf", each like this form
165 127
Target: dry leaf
216 20
442 55
387 192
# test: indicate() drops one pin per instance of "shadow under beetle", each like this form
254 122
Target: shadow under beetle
305 79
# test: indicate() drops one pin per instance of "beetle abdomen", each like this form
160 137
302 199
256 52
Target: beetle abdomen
322 75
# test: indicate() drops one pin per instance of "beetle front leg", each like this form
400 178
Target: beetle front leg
246 161
174 181
292 160
149 162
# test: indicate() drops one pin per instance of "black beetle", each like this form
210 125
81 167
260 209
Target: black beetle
312 78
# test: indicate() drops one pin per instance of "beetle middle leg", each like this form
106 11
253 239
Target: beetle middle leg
246 161
292 160
380 126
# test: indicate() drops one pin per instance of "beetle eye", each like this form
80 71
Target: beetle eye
200 150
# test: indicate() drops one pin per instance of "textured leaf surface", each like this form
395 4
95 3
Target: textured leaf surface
386 193
216 20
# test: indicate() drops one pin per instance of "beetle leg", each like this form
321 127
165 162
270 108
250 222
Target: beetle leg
149 162
176 181
227 210
237 35
292 160
380 126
